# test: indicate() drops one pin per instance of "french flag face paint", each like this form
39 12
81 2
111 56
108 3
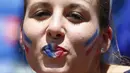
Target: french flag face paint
26 38
26 41
54 51
92 38
90 41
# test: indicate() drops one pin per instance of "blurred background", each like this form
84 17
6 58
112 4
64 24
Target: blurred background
121 14
12 58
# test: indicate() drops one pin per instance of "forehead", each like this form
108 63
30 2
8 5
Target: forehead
63 2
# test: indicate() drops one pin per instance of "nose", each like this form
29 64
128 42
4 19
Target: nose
55 29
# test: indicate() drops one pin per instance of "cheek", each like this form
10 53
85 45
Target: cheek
83 33
76 36
31 33
90 43
34 29
92 38
27 42
82 40
25 38
91 48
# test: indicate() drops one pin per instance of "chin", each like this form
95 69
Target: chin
47 65
41 63
54 69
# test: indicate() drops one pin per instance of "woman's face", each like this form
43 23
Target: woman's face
71 25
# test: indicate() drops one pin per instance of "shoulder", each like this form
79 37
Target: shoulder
118 69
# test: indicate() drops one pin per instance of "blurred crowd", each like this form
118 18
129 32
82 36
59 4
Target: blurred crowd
12 58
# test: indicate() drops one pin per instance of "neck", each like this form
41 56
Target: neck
96 66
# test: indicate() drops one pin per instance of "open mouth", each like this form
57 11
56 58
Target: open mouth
54 51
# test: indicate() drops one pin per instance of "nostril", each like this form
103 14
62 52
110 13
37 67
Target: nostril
54 35
58 35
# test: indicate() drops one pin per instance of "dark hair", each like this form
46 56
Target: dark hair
25 7
103 12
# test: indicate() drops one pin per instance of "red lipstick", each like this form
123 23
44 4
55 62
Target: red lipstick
60 51
54 51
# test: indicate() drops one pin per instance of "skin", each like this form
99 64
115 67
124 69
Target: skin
69 24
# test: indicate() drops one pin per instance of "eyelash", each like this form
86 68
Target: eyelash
75 17
42 14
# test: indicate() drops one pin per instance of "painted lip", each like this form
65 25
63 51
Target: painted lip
60 51
60 48
54 51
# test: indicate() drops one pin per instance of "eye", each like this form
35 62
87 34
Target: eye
42 14
75 17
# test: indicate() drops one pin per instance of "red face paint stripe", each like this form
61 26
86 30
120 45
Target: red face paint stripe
98 52
88 51
26 45
26 49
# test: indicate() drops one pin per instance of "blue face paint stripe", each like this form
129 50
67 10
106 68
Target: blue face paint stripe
26 38
27 44
92 38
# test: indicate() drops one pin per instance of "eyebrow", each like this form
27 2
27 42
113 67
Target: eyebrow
40 4
47 5
77 5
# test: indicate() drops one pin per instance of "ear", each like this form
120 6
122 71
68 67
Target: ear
106 39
